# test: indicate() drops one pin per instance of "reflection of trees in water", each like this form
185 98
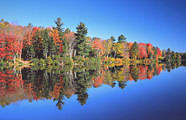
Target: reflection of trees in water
122 84
134 72
60 102
59 84
82 79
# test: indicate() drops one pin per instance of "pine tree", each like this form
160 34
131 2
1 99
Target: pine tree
45 43
112 38
134 50
121 39
155 52
67 30
60 29
59 25
82 48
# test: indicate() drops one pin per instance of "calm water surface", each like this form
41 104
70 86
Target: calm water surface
107 95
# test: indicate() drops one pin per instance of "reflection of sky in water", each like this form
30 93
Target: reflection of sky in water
162 97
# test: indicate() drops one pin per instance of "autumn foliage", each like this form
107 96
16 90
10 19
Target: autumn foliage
97 45
28 42
15 40
20 85
143 51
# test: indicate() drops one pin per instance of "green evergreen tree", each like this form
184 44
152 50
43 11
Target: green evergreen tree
82 48
155 52
59 25
121 39
60 29
67 30
134 50
37 44
45 43
112 38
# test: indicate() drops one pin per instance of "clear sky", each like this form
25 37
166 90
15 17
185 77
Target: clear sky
160 22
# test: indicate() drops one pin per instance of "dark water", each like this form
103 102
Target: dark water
120 93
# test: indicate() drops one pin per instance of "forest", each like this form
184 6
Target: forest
56 63
39 46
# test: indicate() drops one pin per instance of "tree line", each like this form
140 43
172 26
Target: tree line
59 43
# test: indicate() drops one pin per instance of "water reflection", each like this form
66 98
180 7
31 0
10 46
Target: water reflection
58 84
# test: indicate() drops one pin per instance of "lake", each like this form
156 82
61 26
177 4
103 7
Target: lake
153 92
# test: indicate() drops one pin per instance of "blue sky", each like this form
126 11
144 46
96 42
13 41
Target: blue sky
160 22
